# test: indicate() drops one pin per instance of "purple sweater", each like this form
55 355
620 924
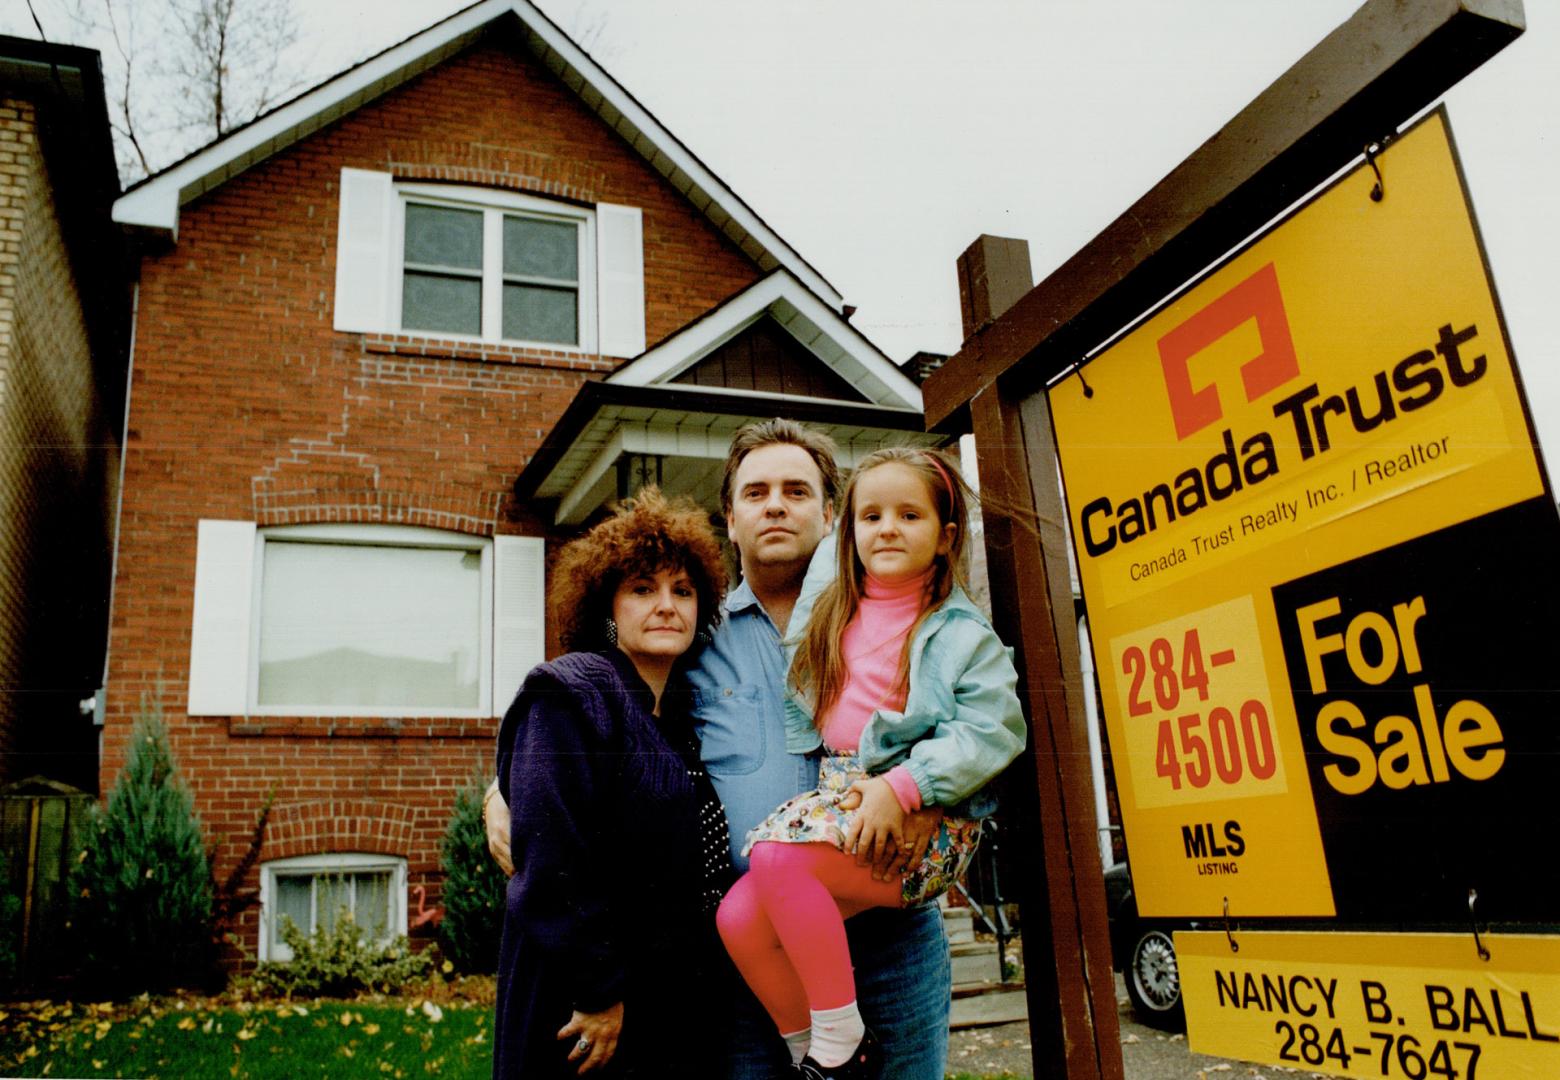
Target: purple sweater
604 905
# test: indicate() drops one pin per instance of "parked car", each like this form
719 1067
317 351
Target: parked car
1143 950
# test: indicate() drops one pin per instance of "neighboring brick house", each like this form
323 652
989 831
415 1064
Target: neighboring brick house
64 314
391 345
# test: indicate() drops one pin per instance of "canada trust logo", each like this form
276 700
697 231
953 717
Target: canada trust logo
1257 298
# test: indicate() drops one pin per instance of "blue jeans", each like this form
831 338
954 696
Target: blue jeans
904 983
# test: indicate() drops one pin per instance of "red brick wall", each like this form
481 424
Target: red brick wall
245 404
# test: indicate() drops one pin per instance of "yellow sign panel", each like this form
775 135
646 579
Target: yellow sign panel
1417 1006
1276 491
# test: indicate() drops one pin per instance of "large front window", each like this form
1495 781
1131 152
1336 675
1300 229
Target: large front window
510 273
372 620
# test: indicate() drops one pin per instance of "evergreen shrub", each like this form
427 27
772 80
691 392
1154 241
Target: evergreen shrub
473 887
141 889
338 962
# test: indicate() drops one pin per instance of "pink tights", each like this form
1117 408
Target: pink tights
783 923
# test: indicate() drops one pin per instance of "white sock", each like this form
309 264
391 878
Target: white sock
797 1042
835 1034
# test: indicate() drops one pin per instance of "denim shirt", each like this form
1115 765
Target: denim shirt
739 717
962 723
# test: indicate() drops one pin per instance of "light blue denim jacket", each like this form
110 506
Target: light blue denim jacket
961 724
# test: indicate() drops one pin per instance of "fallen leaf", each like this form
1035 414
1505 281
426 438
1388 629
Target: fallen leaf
187 1024
300 1010
370 1029
346 1019
446 967
432 1012
245 1034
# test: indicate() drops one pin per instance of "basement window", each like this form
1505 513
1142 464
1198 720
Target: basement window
317 891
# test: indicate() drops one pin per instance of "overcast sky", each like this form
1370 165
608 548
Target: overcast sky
880 138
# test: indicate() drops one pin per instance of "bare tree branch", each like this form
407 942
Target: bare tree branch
181 73
124 123
234 59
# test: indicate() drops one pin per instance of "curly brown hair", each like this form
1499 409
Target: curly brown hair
647 533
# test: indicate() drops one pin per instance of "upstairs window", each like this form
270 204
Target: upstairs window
491 273
488 265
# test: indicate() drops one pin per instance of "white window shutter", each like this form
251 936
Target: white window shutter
620 276
363 255
519 614
220 636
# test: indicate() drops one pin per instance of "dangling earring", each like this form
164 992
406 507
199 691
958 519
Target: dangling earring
611 631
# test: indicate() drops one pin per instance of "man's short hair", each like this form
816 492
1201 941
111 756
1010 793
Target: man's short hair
763 433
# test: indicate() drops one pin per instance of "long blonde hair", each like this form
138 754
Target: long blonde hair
818 670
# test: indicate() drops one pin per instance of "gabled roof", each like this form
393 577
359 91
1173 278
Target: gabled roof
155 202
640 411
815 325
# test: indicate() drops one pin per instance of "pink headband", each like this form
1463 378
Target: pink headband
938 465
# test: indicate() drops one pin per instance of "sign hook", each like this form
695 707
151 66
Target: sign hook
1088 391
1379 191
1234 945
1473 898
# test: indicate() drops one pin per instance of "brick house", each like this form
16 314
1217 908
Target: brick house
64 314
395 340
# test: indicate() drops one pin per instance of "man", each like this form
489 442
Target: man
778 494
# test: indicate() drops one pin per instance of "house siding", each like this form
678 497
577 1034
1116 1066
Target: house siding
58 469
246 404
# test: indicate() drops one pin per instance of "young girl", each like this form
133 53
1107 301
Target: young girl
904 682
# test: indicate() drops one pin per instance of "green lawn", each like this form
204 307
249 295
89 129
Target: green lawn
200 1039
275 1039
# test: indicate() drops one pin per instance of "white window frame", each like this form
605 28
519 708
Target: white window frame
324 865
495 205
375 536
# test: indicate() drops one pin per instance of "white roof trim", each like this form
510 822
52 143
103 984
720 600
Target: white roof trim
821 329
155 203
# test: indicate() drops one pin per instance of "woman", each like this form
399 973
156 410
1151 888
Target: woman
619 843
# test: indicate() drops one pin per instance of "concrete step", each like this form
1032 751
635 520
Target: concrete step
959 925
975 962
999 1005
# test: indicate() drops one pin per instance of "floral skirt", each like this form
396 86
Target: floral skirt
814 817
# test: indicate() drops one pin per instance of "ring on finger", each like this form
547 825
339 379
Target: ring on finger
583 1046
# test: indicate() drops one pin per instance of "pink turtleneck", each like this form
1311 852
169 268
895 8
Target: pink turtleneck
872 646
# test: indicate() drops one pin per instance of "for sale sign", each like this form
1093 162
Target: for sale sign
1318 553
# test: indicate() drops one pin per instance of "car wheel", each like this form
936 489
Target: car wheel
1154 981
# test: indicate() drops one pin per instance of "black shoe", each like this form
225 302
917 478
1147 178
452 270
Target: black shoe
864 1064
